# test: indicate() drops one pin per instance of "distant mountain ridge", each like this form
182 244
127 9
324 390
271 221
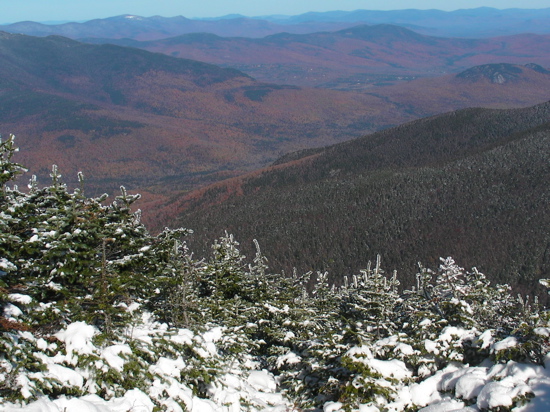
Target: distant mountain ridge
498 73
469 23
128 116
480 22
157 27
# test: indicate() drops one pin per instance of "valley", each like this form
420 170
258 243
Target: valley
162 124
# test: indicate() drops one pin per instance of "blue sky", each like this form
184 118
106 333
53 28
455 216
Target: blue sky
79 10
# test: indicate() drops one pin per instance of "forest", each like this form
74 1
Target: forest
471 184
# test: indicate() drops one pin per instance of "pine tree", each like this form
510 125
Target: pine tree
9 199
175 296
369 302
76 257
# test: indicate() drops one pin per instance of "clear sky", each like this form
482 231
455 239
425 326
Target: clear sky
78 10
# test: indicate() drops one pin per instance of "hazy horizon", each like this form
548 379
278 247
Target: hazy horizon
66 10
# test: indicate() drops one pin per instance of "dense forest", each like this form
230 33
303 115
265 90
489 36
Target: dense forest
98 314
472 184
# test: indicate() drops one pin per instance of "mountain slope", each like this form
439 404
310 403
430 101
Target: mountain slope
147 120
470 184
501 85
163 124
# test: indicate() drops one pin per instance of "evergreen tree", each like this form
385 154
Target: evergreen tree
369 302
77 257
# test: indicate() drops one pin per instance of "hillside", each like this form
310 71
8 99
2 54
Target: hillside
145 119
470 184
360 57
499 85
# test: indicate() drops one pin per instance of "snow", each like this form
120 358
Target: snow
168 367
213 335
12 311
244 386
332 406
184 336
78 339
262 381
542 332
133 400
486 339
393 368
491 387
541 389
470 384
431 346
17 297
65 375
444 406
398 347
111 355
42 405
507 343
500 393
6 265
288 358
451 332
228 393
404 349
426 392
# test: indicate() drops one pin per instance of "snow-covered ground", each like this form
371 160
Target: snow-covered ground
235 390
243 386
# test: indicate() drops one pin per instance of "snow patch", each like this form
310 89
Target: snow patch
17 297
262 381
111 355
78 339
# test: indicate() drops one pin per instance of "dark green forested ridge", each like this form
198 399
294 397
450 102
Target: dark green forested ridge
472 184
433 140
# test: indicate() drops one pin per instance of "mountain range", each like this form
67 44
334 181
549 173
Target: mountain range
469 23
359 57
471 184
130 116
